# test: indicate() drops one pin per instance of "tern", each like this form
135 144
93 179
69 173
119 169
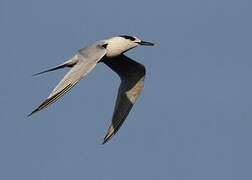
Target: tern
110 52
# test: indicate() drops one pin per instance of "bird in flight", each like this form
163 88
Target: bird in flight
110 52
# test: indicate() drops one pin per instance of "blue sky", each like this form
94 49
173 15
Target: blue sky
192 120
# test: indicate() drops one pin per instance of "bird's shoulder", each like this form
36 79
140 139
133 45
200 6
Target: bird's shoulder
93 51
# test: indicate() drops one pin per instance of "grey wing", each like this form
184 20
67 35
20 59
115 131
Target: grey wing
87 60
132 79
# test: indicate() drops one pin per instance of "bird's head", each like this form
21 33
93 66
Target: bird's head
120 44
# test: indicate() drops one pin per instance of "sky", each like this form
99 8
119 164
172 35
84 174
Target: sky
192 120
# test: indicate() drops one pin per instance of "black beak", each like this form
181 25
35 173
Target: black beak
147 43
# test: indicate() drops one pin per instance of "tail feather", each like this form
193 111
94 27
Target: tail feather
70 63
51 69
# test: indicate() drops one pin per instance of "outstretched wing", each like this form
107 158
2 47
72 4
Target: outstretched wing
87 60
132 79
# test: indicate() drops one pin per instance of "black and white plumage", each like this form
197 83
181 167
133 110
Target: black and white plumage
109 51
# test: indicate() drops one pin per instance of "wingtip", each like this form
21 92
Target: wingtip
107 137
39 73
32 113
29 114
105 140
36 74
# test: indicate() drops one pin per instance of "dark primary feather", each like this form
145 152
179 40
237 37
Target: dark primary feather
52 99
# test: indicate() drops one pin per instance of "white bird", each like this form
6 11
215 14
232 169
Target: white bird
109 51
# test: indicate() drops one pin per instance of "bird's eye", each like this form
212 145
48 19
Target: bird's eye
105 45
128 37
